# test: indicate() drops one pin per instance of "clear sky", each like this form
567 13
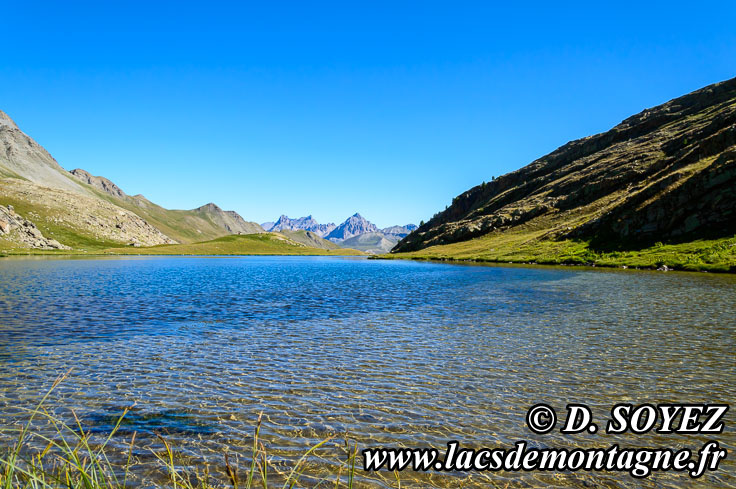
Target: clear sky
389 109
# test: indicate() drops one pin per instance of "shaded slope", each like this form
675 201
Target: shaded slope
666 174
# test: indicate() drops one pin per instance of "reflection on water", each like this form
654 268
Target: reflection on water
393 353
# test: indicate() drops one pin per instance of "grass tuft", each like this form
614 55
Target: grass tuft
70 457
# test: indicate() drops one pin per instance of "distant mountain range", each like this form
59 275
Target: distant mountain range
303 223
355 232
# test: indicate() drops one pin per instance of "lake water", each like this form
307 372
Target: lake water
392 353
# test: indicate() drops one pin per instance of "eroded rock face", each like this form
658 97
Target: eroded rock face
16 228
665 173
100 183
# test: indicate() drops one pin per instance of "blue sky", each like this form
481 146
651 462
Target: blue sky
385 108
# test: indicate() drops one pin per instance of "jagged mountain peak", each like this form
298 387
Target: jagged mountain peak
307 223
353 226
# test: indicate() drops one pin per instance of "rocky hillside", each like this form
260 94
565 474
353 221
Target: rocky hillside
22 157
14 228
667 174
83 211
76 220
230 221
100 183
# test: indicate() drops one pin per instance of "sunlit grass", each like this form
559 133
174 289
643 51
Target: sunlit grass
716 255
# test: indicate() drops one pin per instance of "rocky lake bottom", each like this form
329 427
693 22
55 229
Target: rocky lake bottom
385 353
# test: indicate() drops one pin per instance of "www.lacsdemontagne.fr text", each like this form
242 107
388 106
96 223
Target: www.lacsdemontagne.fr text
636 461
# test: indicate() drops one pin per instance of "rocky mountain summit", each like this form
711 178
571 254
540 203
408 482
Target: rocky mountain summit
667 174
353 226
308 223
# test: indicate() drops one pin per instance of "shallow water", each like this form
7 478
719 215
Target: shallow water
393 353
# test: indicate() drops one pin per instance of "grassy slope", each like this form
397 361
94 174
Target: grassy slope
718 255
309 239
180 225
246 244
544 239
536 242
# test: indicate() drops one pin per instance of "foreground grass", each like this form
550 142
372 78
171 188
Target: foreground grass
246 244
717 255
73 459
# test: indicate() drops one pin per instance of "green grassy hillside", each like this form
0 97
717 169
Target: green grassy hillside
659 188
716 255
309 238
247 244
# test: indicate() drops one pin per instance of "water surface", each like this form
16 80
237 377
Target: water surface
392 353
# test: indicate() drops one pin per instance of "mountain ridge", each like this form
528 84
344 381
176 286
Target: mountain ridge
666 174
80 209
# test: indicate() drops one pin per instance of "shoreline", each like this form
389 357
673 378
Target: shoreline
717 269
537 264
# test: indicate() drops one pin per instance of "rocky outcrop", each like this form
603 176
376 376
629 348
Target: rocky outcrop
21 231
666 173
100 183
